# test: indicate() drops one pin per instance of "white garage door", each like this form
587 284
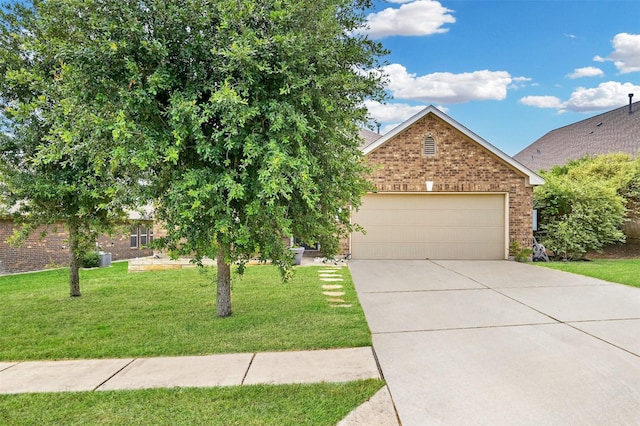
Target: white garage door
430 226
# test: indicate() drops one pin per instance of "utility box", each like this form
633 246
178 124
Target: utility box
105 259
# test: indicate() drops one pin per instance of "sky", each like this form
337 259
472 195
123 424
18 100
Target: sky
508 70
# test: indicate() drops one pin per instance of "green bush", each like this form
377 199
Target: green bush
582 206
520 253
91 260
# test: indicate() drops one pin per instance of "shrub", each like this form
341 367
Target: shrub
520 253
581 205
91 260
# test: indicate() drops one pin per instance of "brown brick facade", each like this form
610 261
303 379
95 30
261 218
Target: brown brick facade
52 250
459 165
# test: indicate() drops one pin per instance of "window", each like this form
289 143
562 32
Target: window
429 145
140 236
308 247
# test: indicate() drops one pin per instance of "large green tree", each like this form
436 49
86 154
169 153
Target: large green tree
242 114
53 168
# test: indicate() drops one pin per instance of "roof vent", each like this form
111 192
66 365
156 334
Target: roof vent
630 102
429 145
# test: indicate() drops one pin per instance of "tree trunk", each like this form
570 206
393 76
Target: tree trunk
74 259
224 285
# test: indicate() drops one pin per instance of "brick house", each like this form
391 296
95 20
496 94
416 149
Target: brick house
52 250
443 192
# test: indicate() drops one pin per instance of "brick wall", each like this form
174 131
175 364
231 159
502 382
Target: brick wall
119 245
52 250
35 253
459 165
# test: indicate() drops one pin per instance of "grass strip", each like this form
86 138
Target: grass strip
309 404
623 271
171 313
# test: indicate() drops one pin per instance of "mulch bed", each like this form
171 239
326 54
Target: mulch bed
630 250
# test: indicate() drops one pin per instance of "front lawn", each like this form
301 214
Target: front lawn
170 313
623 271
314 404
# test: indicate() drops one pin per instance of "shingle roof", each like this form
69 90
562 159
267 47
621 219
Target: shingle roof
613 131
368 137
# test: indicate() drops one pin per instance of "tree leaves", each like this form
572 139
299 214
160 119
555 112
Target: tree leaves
584 203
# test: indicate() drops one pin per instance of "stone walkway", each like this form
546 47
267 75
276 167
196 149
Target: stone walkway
334 291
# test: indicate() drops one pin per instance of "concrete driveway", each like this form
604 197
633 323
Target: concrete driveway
502 343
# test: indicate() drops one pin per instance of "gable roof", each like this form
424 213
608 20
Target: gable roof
533 178
617 130
368 137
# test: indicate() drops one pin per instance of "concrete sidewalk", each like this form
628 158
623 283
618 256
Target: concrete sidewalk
334 365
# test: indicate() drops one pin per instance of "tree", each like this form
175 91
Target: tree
583 203
50 168
242 114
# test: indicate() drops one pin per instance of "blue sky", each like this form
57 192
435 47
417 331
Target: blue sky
509 70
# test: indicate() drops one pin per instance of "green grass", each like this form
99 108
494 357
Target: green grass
623 271
169 313
315 404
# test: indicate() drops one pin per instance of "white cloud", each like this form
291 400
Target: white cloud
392 112
586 72
448 88
608 95
542 101
626 53
418 18
519 82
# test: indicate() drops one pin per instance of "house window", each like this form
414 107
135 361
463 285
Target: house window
140 236
307 247
429 145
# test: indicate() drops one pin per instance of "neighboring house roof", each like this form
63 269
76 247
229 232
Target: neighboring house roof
614 131
368 137
533 178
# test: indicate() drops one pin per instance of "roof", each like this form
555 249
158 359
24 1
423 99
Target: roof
533 178
613 131
368 137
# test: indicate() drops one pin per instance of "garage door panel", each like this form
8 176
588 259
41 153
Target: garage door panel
477 251
431 235
434 226
433 218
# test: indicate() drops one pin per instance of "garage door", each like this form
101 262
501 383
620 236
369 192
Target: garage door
430 226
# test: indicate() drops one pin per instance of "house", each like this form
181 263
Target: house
443 192
52 250
613 131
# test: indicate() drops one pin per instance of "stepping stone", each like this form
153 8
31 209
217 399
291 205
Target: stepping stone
329 280
334 293
334 300
331 275
328 271
331 286
340 306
